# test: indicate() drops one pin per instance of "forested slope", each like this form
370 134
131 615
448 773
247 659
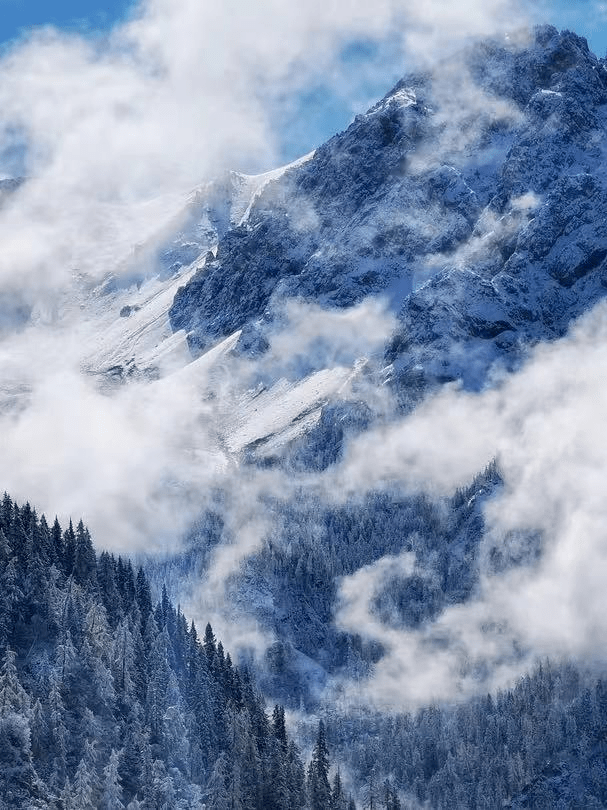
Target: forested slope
107 700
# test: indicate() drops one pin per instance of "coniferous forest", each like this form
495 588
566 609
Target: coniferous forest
110 701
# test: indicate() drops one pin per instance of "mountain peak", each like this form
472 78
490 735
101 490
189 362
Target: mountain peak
430 182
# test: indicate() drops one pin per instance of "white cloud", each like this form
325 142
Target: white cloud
546 427
116 130
322 338
181 91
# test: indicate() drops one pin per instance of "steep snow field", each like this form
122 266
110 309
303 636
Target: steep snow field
119 329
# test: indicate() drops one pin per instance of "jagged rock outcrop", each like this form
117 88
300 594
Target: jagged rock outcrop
485 228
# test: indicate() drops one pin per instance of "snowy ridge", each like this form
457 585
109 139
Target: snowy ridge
273 416
121 329
257 183
129 327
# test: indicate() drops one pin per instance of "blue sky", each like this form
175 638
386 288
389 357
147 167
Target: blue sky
317 113
587 17
19 15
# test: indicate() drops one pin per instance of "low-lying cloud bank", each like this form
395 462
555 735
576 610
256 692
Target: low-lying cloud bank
545 426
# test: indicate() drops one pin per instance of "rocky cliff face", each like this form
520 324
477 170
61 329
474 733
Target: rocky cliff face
475 205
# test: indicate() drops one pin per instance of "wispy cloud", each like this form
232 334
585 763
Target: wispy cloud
545 427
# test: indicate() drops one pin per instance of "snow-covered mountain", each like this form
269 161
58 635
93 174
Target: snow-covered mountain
466 211
129 310
476 209
473 206
485 231
123 327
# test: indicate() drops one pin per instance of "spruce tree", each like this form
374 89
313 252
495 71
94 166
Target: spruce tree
216 794
278 725
57 541
13 697
112 790
18 779
319 792
69 550
338 797
209 644
143 597
85 563
82 792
